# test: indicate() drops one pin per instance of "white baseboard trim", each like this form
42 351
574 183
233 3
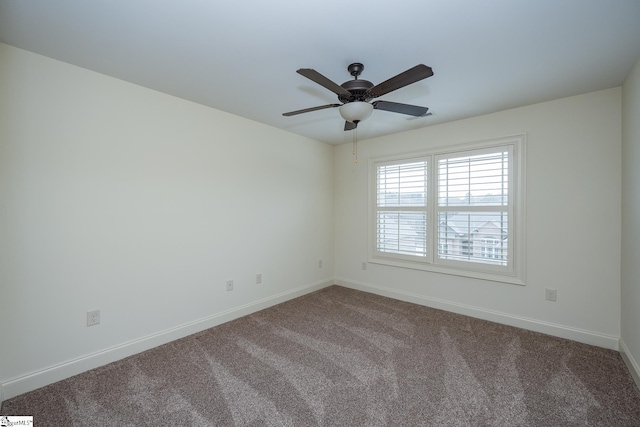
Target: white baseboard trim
561 331
41 378
631 363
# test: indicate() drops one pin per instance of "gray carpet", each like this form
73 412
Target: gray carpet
339 357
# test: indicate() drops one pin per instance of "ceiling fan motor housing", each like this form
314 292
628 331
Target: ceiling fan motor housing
359 90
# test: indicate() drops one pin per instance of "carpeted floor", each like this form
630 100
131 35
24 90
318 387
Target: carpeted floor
339 357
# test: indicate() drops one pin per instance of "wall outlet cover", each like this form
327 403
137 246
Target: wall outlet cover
93 317
550 294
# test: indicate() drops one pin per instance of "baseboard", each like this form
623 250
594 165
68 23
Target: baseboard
35 380
631 363
561 331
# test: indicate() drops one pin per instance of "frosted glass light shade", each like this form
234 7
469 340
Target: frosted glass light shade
356 111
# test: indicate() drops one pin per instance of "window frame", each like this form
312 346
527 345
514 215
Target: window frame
514 272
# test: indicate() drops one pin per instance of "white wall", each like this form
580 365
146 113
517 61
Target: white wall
142 205
573 188
630 333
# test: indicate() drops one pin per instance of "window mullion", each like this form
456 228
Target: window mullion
432 215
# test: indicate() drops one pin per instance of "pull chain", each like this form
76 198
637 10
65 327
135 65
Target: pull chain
355 144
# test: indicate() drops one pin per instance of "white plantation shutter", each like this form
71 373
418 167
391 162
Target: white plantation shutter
474 206
452 211
401 203
474 179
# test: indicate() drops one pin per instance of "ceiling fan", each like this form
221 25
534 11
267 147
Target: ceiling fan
355 95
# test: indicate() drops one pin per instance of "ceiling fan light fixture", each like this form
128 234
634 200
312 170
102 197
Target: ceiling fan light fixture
356 111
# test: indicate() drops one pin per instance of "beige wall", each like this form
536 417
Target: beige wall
630 324
142 205
572 230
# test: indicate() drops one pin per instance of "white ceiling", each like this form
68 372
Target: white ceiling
242 56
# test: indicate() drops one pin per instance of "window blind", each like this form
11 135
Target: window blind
473 207
401 201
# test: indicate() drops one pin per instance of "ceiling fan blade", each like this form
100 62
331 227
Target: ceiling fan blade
350 126
412 75
395 107
315 76
307 110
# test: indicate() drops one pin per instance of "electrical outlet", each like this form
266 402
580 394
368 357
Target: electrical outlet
364 265
93 317
229 285
258 278
550 294
319 263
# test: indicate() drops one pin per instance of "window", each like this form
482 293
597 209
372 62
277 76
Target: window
473 203
401 216
457 211
490 249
